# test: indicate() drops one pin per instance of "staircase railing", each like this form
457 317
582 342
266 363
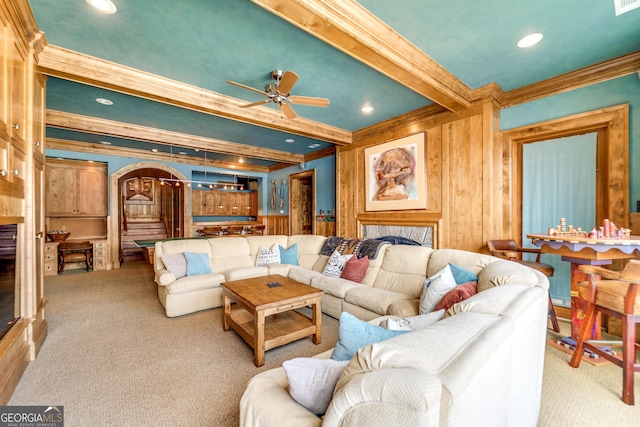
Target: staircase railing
125 227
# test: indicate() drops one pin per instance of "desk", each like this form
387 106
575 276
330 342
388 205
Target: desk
585 250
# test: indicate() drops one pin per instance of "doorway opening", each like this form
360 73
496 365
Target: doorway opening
302 202
144 208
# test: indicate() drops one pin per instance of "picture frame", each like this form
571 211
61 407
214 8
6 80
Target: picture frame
395 175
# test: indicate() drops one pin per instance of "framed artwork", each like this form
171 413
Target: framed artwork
139 191
395 175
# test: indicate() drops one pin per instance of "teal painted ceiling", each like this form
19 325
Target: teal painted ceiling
204 42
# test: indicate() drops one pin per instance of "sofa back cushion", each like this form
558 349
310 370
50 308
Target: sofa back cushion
255 242
403 269
504 272
179 246
229 253
309 246
472 261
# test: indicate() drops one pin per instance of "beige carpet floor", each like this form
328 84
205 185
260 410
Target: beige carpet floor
112 358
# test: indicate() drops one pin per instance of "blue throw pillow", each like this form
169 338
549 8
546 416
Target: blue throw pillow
460 275
289 256
354 334
197 263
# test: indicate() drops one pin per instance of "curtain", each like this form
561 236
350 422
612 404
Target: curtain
559 181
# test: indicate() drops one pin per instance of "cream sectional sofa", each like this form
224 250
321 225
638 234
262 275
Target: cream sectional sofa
481 365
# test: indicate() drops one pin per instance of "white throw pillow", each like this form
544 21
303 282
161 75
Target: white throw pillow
413 323
435 287
268 256
336 263
312 381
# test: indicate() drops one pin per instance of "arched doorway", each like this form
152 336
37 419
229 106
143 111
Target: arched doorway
144 193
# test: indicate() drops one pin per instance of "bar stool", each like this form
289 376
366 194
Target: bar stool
509 249
616 297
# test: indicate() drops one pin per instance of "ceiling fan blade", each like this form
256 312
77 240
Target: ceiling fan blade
245 87
289 78
288 111
253 104
308 100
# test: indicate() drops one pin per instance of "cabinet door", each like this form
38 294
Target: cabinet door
253 203
60 191
222 206
18 67
4 77
196 202
17 165
38 115
4 159
92 192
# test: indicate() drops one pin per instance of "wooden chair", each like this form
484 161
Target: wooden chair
214 230
75 252
258 229
509 249
618 297
236 229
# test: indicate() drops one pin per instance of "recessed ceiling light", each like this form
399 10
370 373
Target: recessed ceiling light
105 143
183 153
367 109
314 146
104 6
240 160
104 101
154 150
289 140
530 40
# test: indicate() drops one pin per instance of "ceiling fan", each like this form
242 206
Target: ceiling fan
279 92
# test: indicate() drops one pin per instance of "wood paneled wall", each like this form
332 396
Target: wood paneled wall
468 184
277 224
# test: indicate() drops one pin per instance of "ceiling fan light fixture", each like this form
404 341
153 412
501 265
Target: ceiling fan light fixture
530 40
104 6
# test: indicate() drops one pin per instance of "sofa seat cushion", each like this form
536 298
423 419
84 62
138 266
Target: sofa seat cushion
303 275
281 269
247 272
195 283
374 299
335 286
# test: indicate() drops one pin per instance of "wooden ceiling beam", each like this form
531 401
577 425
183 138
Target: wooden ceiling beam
352 29
66 64
110 150
80 123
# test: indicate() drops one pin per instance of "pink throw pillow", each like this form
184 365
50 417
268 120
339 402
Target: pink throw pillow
457 294
355 269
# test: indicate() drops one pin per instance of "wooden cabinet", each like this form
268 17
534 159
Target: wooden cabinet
99 255
13 108
75 188
50 259
224 203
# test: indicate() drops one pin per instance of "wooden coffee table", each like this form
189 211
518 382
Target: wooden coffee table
266 317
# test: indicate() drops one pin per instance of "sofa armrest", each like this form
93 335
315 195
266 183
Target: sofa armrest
164 277
408 397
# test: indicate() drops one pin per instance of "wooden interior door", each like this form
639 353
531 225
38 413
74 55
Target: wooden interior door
302 202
